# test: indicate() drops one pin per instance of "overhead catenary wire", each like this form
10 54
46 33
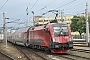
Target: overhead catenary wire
71 7
47 5
3 5
33 5
65 4
82 11
79 12
25 12
30 9
14 20
74 6
58 7
29 3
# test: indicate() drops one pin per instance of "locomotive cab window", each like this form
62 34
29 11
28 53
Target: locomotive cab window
47 31
60 30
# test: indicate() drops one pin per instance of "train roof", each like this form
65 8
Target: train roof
59 23
21 30
24 29
39 27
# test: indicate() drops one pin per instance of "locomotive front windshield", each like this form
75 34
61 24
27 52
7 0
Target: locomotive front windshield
61 30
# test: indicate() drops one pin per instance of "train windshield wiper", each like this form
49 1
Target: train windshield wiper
57 34
61 34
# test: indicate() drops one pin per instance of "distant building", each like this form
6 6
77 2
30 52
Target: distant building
45 20
66 19
36 19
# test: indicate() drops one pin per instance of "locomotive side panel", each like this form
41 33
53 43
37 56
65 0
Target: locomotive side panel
39 37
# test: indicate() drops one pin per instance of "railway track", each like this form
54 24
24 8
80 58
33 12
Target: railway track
25 55
81 50
30 54
40 54
69 57
80 43
74 57
4 56
34 54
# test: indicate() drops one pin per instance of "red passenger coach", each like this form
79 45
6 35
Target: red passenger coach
53 36
19 37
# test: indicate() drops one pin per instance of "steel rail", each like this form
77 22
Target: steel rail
29 58
6 55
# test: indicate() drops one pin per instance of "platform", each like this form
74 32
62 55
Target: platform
85 48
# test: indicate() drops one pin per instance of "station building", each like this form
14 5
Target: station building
66 19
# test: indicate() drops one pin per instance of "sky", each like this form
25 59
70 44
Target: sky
18 9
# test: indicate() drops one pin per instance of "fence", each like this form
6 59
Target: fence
78 37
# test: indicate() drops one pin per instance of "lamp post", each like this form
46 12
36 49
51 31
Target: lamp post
33 18
4 26
87 26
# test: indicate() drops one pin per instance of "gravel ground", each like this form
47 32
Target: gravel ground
11 51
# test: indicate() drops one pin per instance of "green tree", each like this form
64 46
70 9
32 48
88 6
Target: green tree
89 22
81 25
78 24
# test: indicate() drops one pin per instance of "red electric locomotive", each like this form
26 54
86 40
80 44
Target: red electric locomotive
54 36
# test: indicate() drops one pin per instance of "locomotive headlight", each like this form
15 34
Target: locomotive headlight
53 39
